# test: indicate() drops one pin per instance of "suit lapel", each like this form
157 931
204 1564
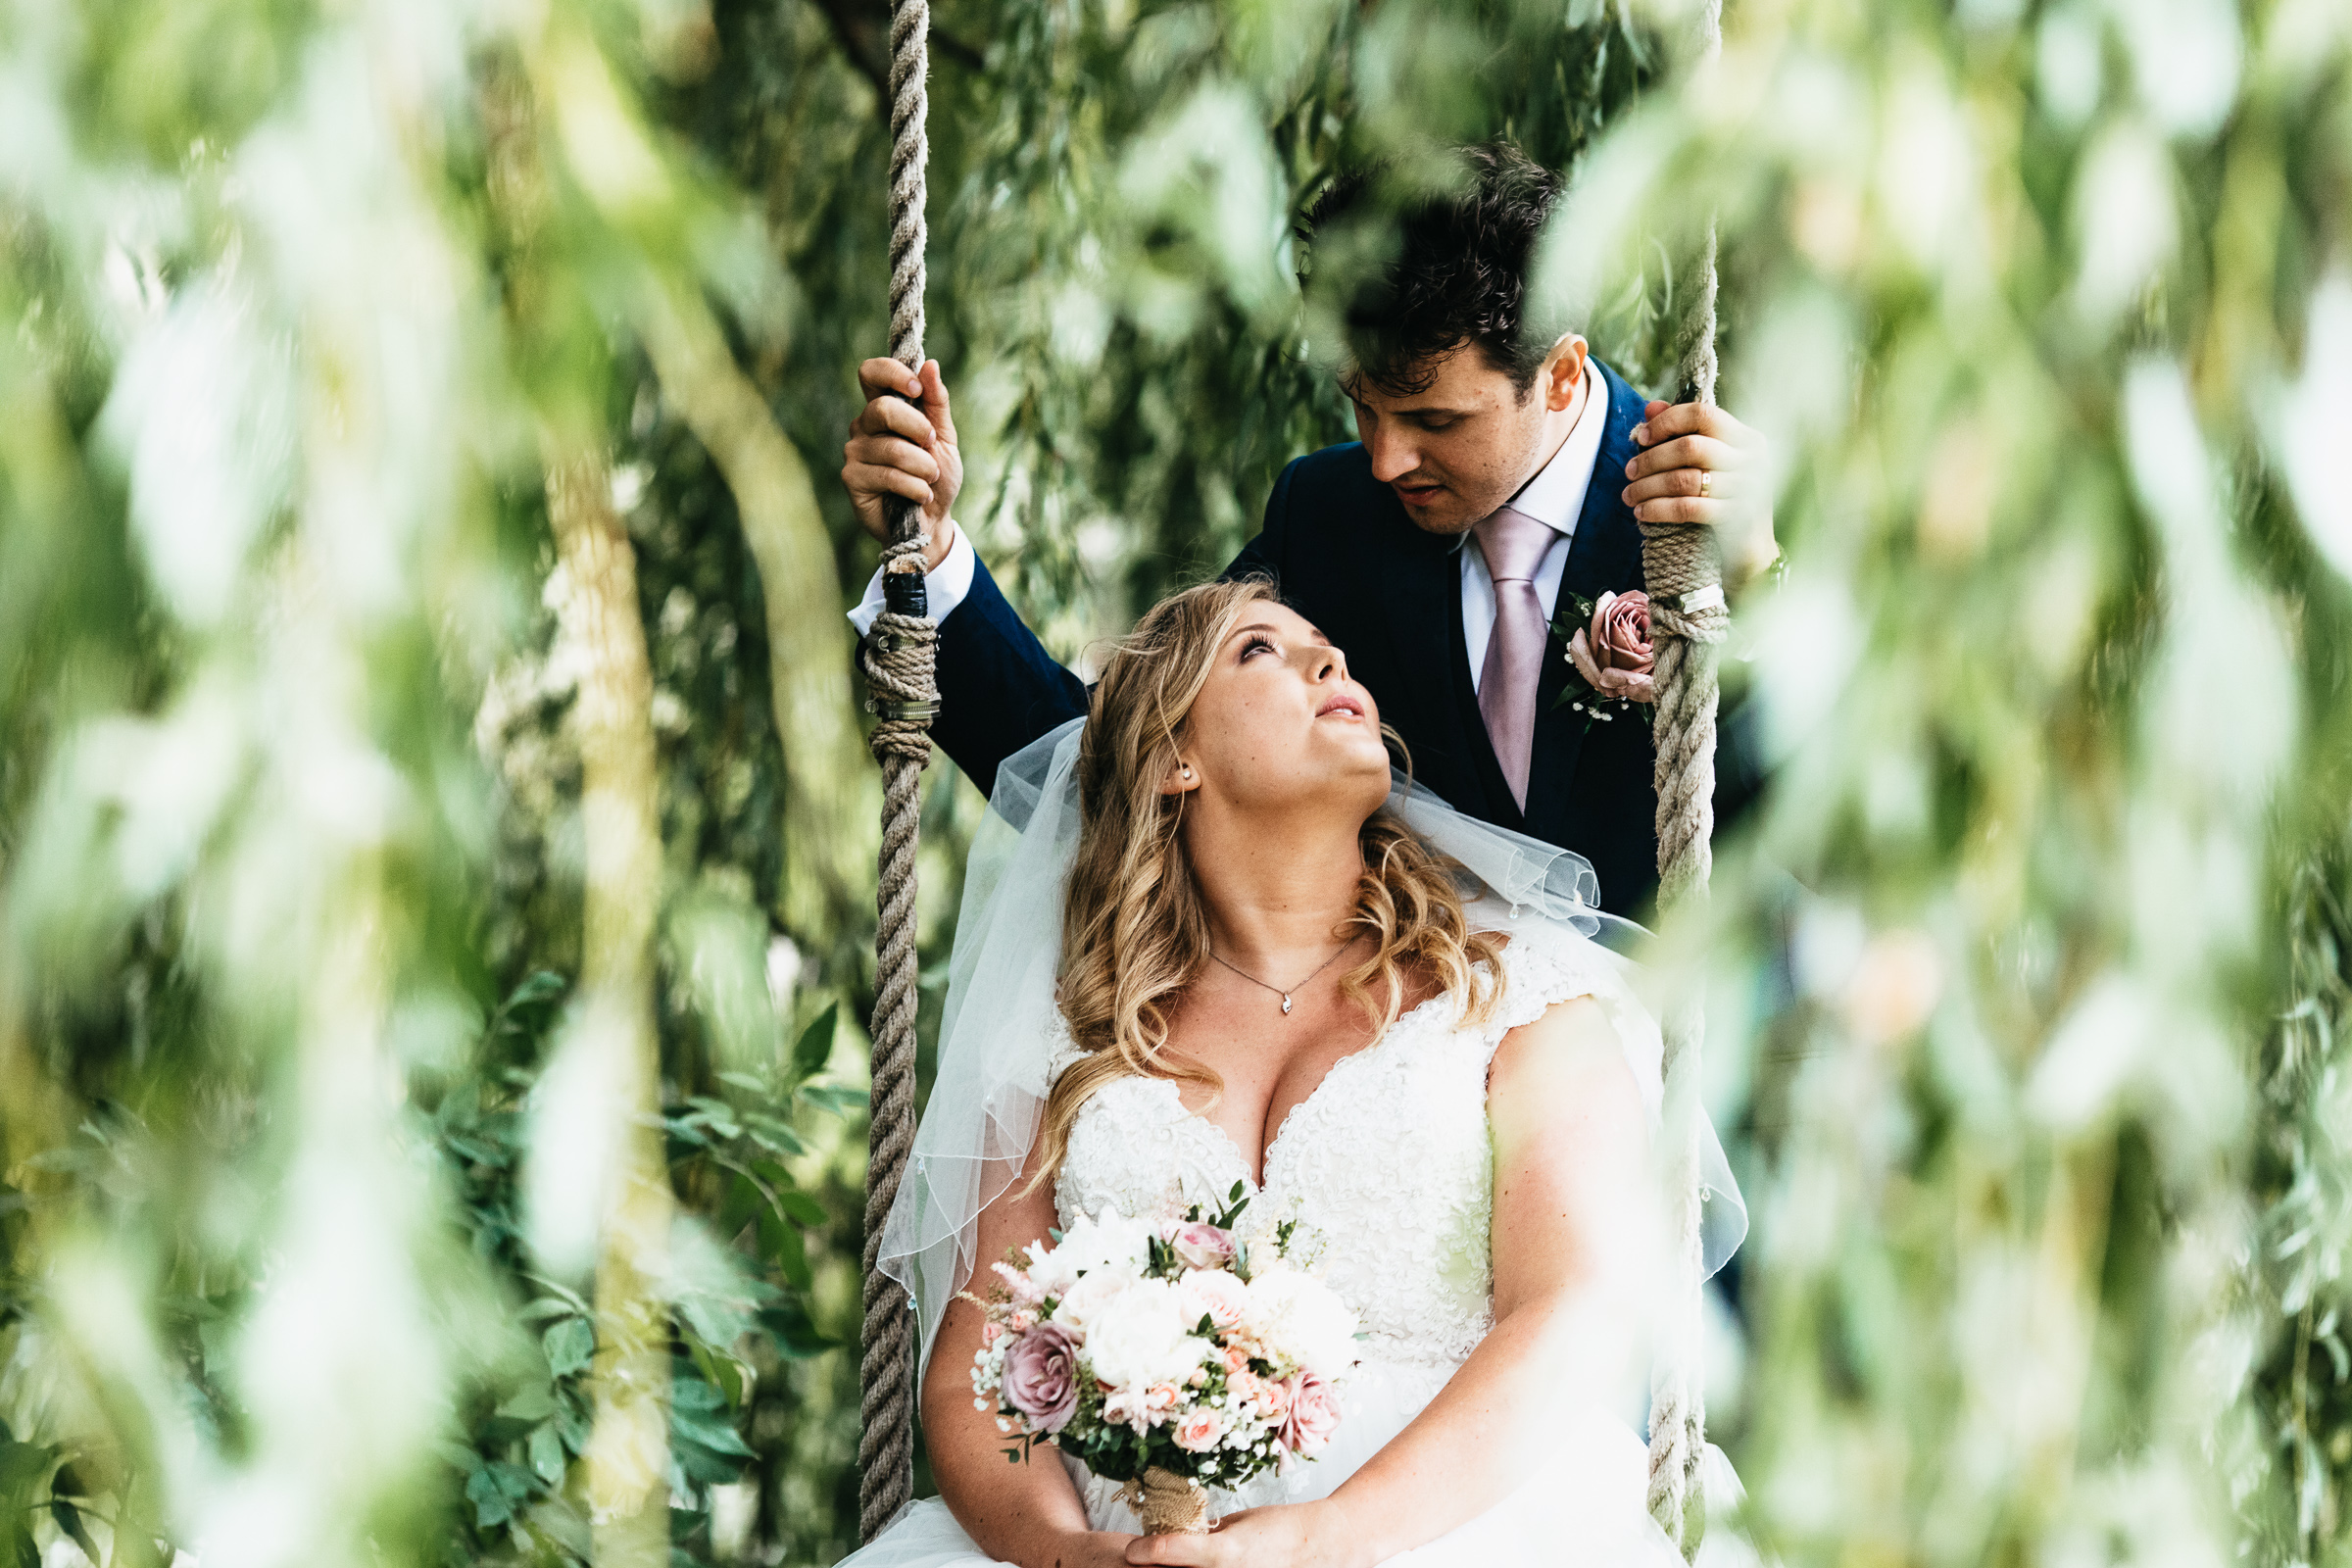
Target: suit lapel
1605 554
1598 555
1421 603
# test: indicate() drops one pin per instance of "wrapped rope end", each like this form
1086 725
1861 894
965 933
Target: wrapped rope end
898 658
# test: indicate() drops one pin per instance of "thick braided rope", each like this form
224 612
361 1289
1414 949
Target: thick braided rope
898 661
1682 571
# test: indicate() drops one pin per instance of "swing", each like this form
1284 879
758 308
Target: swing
1689 619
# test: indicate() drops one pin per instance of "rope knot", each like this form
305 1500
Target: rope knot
897 655
1682 566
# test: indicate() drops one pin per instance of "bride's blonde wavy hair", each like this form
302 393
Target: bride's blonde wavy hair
1134 928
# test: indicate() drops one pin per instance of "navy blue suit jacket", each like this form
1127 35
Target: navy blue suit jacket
1389 595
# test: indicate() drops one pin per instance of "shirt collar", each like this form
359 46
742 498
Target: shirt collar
1555 495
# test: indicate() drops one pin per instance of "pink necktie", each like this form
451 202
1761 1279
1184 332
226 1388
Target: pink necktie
1513 544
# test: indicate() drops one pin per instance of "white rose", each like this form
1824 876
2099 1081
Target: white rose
1084 1301
1048 1273
1138 1338
1302 1319
1218 1295
1108 1241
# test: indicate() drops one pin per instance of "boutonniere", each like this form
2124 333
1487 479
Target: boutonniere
1608 648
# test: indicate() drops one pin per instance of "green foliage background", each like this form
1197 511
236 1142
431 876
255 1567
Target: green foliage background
2027 984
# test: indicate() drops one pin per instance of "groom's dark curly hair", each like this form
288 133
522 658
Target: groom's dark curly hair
1414 280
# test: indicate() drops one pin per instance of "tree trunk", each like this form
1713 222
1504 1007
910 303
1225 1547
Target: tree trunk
629 1447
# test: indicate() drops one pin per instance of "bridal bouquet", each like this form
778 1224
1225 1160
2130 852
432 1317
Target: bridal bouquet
1170 1355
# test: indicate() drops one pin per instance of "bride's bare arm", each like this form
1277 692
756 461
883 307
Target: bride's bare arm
1028 1513
1575 1243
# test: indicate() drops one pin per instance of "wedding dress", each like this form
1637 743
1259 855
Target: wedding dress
1387 1167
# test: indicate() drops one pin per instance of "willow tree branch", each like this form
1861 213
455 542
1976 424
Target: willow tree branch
628 1444
827 820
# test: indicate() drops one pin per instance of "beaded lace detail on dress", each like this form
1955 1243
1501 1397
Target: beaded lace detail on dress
1387 1166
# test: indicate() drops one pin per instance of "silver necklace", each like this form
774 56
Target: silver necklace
1284 992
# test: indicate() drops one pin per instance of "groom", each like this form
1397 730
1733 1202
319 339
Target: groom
1499 479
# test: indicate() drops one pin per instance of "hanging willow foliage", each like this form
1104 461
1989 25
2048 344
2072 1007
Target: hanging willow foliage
2025 984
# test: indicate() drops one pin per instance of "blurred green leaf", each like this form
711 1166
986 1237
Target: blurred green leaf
569 1343
815 1046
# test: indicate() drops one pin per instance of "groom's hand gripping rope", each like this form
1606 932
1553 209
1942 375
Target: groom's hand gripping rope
1699 464
903 447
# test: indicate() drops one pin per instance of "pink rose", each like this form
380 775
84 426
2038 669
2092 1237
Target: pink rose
1041 1378
1615 657
1214 1294
1314 1415
1159 1399
1236 1359
1203 1245
1273 1397
1124 1407
988 1332
1199 1432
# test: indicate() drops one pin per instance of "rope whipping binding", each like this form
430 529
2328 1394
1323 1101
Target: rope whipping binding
1682 565
897 656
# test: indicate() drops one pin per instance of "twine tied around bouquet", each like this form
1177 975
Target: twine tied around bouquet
1168 1505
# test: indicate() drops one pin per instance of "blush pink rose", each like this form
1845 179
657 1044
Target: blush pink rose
1203 1245
1236 1359
1214 1294
1041 1378
1199 1432
1273 1396
1314 1415
1124 1407
1614 655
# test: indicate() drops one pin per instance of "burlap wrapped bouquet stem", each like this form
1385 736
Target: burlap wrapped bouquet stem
1168 1505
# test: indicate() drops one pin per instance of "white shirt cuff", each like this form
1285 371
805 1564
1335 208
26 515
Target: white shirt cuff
944 588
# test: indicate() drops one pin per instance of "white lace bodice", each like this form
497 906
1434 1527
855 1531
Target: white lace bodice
1388 1166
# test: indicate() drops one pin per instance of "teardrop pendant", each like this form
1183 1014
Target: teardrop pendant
1286 1001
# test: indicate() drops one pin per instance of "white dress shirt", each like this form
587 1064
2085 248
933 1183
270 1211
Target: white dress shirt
1553 497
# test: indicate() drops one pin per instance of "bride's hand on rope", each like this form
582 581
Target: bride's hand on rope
904 449
1296 1534
1698 464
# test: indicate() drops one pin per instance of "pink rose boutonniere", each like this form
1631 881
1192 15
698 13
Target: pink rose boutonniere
1610 645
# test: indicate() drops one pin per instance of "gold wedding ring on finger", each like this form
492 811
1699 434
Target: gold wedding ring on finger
1707 482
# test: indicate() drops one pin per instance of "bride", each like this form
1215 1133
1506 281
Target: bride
1278 966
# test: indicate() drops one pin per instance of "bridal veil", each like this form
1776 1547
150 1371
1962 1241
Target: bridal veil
997 1034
